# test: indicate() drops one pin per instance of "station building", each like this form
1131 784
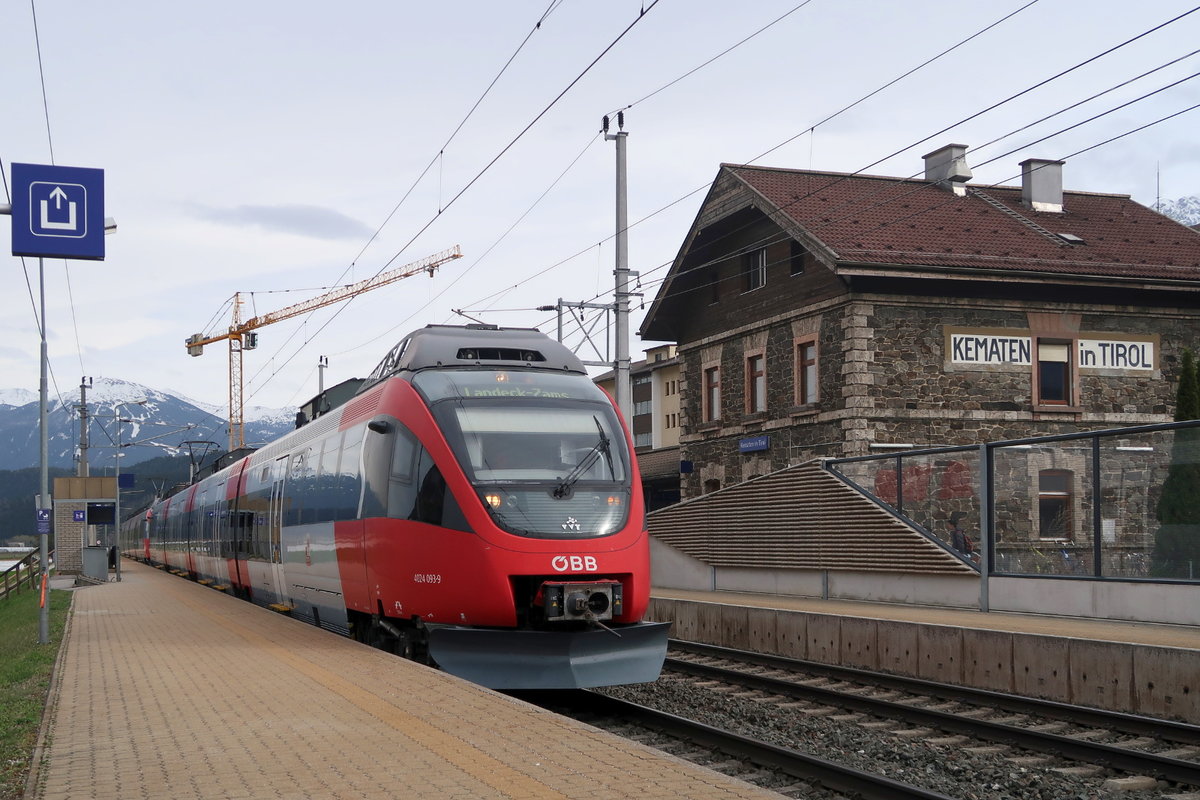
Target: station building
822 314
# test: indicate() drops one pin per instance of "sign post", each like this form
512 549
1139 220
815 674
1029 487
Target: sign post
57 212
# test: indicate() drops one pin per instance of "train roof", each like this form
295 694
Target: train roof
457 346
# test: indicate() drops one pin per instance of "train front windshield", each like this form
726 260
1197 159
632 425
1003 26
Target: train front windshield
544 451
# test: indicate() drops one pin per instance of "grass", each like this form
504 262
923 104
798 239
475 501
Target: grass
25 669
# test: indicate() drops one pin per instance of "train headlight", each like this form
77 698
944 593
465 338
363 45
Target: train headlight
492 500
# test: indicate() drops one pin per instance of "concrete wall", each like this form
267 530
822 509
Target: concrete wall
1116 600
1139 602
1139 679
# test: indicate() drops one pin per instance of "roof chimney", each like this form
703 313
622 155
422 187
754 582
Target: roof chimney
948 168
1041 185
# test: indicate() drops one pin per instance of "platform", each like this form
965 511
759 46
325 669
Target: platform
1142 668
165 688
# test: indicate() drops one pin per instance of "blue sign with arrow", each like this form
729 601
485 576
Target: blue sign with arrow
58 212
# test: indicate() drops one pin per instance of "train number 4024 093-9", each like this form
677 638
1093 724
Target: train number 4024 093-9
427 577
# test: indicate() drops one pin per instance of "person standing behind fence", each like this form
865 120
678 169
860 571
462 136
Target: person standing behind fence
958 537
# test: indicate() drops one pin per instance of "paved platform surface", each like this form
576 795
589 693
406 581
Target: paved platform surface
1149 633
166 689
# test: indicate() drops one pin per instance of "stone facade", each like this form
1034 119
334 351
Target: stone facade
886 378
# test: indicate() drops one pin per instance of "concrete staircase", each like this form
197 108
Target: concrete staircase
802 518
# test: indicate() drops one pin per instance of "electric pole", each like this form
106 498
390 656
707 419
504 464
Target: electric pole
82 469
622 273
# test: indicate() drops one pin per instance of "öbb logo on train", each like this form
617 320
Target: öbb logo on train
574 563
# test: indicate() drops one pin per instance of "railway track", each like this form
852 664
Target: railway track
1163 749
818 731
784 770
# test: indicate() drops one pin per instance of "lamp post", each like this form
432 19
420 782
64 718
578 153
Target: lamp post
117 420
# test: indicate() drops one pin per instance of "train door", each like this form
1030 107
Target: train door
197 530
217 533
238 548
275 514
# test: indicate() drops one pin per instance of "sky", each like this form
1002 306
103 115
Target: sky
279 149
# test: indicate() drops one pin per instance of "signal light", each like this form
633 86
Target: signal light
614 500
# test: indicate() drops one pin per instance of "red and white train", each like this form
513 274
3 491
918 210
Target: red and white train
475 505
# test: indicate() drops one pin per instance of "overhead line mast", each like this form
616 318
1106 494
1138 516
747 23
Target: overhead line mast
241 338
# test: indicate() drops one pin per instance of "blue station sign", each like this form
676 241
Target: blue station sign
754 444
57 212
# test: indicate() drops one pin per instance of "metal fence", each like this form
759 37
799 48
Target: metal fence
1114 504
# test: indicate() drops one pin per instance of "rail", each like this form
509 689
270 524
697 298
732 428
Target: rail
18 575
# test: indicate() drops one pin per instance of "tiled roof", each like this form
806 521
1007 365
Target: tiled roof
660 463
871 220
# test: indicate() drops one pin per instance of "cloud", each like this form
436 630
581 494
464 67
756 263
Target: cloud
300 220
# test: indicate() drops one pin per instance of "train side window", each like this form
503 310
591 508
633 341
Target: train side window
298 488
349 479
404 456
324 495
431 496
427 499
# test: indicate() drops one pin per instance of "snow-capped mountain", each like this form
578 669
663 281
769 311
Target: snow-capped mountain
17 397
1185 210
151 423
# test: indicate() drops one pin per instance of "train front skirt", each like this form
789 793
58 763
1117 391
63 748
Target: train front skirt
505 659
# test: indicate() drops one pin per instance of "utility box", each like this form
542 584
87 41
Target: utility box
95 563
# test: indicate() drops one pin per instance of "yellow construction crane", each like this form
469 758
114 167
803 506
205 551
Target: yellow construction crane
241 338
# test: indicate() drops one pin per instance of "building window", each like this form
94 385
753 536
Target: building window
1054 373
642 392
806 372
1054 503
756 269
796 258
714 286
712 394
756 383
643 439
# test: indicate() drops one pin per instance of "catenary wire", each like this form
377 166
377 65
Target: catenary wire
813 127
719 55
436 158
487 167
828 118
773 238
37 39
493 246
973 116
537 26
708 285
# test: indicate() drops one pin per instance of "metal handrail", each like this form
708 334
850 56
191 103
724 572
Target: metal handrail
985 497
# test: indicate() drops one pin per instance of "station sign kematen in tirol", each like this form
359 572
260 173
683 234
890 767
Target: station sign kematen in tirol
57 212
